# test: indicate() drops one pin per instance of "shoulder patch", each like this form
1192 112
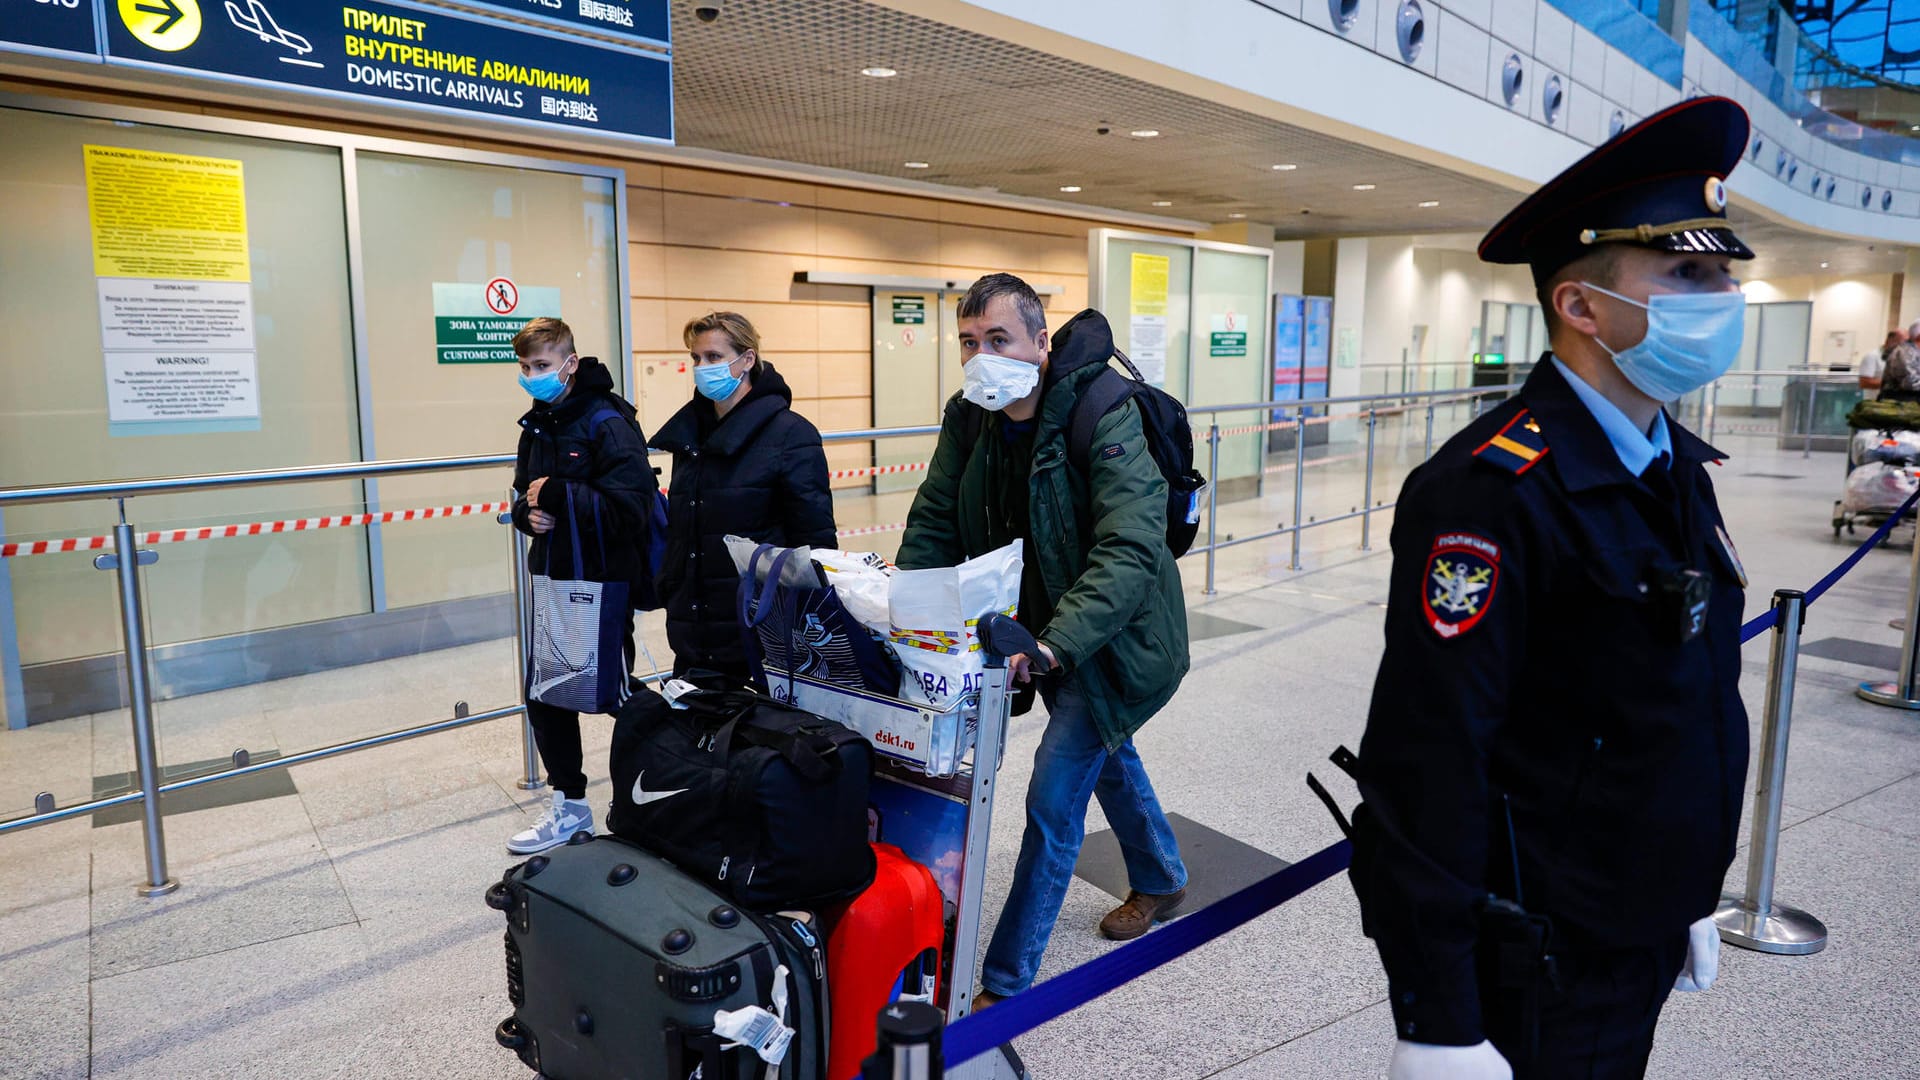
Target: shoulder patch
1462 579
1517 447
1113 450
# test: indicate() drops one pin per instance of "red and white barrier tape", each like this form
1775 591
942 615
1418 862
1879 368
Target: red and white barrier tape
257 528
870 530
876 470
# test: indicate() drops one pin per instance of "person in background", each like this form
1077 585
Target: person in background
744 463
1900 380
1099 590
1874 362
580 444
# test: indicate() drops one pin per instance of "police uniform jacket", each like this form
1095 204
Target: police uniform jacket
1537 665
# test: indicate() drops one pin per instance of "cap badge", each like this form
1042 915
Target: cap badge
1716 193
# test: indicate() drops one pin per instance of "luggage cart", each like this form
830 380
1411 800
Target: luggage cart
1851 521
945 763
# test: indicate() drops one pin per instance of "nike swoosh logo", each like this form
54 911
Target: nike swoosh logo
641 796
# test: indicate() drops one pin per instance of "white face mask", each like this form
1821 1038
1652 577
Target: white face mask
995 382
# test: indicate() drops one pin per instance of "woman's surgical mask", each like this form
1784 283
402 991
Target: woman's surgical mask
716 382
1692 339
546 386
995 382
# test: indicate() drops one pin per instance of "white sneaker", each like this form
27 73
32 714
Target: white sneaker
563 818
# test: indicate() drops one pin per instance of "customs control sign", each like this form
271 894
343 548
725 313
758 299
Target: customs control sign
474 322
430 58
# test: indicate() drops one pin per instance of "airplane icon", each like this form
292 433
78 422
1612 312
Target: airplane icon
257 20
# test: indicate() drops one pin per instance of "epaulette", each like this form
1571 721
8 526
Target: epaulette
1517 447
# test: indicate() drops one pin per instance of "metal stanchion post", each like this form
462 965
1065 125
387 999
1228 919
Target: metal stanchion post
126 561
1213 495
1754 921
909 1043
523 637
1428 451
1806 446
1902 693
1713 407
1299 483
1366 502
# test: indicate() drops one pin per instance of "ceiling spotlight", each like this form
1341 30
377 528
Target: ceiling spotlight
878 72
1429 204
1145 133
1363 187
1162 202
1236 215
916 164
1823 266
1071 188
1285 168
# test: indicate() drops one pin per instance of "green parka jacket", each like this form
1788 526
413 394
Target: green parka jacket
1119 626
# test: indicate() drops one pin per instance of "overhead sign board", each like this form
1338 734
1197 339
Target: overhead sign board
57 26
640 20
470 62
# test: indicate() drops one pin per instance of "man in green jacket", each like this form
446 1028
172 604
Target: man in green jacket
1100 591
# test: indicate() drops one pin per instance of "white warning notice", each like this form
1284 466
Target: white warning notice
143 313
143 387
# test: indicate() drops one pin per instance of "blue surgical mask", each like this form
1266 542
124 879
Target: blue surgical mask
716 382
1692 339
546 386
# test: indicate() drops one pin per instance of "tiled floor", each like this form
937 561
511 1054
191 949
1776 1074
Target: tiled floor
338 930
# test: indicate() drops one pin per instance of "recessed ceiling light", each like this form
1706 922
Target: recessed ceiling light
1285 168
878 72
1236 215
1363 187
1145 133
916 164
1430 203
1823 266
1070 188
1162 202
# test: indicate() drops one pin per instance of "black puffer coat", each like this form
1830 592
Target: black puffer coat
603 468
759 473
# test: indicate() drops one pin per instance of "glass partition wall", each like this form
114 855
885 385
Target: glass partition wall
193 295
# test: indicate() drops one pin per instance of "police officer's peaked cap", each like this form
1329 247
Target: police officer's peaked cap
1660 184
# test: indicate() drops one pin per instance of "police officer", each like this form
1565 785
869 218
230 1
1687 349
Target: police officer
1556 747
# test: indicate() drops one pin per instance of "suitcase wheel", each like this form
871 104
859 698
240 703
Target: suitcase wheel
498 898
510 1034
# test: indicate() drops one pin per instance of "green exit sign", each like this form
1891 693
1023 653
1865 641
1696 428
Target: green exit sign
1491 359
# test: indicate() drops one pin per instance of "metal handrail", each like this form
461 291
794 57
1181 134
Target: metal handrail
1458 393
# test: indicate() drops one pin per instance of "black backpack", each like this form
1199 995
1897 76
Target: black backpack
1087 338
764 802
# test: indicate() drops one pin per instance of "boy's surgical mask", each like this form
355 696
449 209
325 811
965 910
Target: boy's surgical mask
995 382
546 386
1692 339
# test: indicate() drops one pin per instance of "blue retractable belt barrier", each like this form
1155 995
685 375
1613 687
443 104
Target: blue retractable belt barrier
983 1031
1762 623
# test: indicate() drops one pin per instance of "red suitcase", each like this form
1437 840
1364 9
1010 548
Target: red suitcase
886 943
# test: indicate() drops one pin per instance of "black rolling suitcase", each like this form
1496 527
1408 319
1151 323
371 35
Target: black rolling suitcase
617 963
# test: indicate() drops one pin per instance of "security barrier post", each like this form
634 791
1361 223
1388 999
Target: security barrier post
1806 447
1901 693
126 561
523 636
1213 494
1366 503
1754 921
1299 483
1427 452
908 1045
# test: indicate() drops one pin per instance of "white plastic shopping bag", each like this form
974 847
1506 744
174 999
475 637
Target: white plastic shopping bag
861 579
1878 487
935 616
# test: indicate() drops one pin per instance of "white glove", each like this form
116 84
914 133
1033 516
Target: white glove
1703 957
1426 1061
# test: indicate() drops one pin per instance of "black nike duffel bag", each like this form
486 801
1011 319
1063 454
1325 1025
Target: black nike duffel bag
765 802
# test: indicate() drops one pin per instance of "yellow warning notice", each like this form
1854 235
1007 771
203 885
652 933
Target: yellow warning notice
1149 292
161 215
166 25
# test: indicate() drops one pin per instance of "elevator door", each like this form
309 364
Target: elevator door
916 367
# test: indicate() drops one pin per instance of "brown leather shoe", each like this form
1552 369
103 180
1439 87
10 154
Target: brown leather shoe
985 998
1139 913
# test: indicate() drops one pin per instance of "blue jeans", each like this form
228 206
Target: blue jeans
1071 765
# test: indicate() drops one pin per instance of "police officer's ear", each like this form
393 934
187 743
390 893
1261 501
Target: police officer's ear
1573 307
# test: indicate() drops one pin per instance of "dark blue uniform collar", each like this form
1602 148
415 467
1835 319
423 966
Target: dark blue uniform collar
1582 455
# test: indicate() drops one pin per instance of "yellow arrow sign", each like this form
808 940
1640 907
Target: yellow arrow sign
166 25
